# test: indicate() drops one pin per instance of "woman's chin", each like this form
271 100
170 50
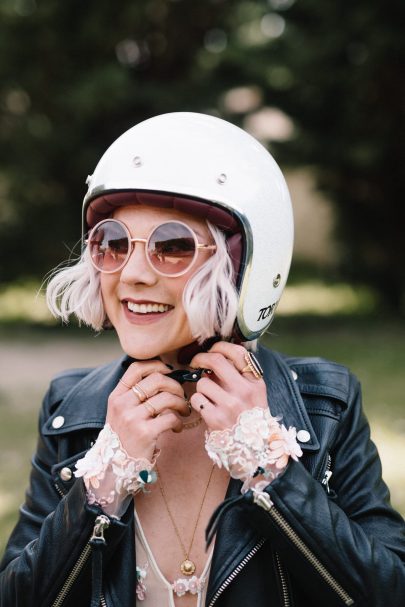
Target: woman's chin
140 353
150 351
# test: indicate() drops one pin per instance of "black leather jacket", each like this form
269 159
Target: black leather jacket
321 543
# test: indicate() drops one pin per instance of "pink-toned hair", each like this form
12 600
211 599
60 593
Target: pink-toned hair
210 298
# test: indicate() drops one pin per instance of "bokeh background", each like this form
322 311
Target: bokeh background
321 84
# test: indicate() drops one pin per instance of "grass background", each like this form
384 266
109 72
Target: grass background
30 355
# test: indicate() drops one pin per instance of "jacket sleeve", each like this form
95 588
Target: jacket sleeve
348 549
50 535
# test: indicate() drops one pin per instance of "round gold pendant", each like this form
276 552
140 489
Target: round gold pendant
187 567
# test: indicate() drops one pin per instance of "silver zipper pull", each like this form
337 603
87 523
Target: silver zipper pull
102 522
262 499
326 479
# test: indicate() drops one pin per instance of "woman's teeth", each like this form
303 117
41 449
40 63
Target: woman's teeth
147 308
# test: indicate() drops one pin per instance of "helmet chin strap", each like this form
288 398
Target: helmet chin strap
188 352
185 355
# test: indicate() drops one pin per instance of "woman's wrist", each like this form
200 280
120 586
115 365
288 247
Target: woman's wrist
111 475
255 450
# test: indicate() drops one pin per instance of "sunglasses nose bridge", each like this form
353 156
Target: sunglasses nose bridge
133 263
144 240
132 247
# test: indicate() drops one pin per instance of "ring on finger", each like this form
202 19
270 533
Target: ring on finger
140 393
124 384
253 366
150 408
202 405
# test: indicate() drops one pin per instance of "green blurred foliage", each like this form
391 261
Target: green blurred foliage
348 102
74 75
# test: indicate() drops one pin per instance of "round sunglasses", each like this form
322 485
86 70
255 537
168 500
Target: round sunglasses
171 248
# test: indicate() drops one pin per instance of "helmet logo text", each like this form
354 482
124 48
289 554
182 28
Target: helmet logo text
265 312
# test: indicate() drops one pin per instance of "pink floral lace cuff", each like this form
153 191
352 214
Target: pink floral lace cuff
110 475
255 450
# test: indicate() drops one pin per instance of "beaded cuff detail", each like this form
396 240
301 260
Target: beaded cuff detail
255 450
110 474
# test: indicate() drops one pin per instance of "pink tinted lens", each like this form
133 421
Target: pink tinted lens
109 246
172 248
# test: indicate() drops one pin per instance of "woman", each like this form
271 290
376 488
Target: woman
188 238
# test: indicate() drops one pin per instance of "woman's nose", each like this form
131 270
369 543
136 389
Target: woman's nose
137 268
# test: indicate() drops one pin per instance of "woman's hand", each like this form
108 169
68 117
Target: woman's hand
224 395
139 424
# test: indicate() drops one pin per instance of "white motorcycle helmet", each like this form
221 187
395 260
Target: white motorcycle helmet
207 167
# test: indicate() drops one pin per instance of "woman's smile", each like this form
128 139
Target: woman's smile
143 311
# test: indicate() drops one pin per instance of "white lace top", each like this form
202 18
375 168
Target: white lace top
255 450
152 587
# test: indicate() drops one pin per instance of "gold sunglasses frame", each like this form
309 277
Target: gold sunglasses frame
132 241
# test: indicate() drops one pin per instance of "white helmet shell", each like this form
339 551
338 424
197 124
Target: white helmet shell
203 157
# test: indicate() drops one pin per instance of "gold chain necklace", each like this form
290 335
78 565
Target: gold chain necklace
193 424
187 566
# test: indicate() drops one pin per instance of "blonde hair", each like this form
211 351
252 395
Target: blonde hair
210 298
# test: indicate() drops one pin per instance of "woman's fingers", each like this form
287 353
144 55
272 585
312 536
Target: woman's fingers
136 372
157 382
202 404
230 390
144 393
224 370
166 421
152 381
214 416
231 365
235 353
220 407
214 392
164 401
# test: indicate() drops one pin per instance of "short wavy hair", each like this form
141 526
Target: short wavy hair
210 298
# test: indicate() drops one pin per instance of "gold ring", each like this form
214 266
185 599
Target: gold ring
253 366
124 384
141 394
150 408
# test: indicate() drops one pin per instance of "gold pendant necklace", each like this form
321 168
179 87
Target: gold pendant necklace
187 566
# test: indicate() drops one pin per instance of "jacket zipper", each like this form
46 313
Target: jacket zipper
283 580
99 525
263 500
81 561
236 571
59 490
327 474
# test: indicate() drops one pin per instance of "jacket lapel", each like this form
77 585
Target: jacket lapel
284 398
85 405
285 402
